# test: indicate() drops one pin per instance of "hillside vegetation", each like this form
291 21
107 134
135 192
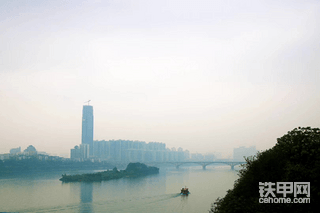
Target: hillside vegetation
294 158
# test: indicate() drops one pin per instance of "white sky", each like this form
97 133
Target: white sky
202 75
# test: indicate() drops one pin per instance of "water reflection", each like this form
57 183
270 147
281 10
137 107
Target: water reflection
86 190
183 203
155 193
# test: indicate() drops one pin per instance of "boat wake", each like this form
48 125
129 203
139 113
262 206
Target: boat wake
163 197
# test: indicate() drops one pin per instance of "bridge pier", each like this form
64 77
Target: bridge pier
204 167
177 166
232 167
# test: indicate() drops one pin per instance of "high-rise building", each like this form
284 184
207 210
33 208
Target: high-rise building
87 127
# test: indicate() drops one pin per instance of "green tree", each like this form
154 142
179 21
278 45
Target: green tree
294 158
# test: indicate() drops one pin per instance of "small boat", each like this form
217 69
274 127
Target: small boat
184 191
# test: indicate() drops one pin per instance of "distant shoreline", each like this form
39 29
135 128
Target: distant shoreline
12 167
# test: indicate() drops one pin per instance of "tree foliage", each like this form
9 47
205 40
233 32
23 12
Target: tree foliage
294 158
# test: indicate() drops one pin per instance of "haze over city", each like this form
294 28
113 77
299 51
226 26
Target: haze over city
202 75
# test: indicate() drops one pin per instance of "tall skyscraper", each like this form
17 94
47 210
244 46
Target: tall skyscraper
87 127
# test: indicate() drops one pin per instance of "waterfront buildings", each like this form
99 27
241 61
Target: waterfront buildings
136 151
29 153
121 150
129 151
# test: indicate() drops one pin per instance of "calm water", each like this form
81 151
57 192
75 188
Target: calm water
156 193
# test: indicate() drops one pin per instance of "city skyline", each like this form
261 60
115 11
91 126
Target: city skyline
203 75
133 151
87 139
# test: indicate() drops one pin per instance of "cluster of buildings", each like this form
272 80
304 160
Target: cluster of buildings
128 151
29 152
121 150
16 152
136 151
124 150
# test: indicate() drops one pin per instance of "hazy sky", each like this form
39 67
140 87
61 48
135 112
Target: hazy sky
202 75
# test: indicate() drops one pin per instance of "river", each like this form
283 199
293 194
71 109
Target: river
43 192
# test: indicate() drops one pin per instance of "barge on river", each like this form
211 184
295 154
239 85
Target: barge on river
132 170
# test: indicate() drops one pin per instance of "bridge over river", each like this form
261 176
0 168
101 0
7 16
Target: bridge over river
202 163
232 164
